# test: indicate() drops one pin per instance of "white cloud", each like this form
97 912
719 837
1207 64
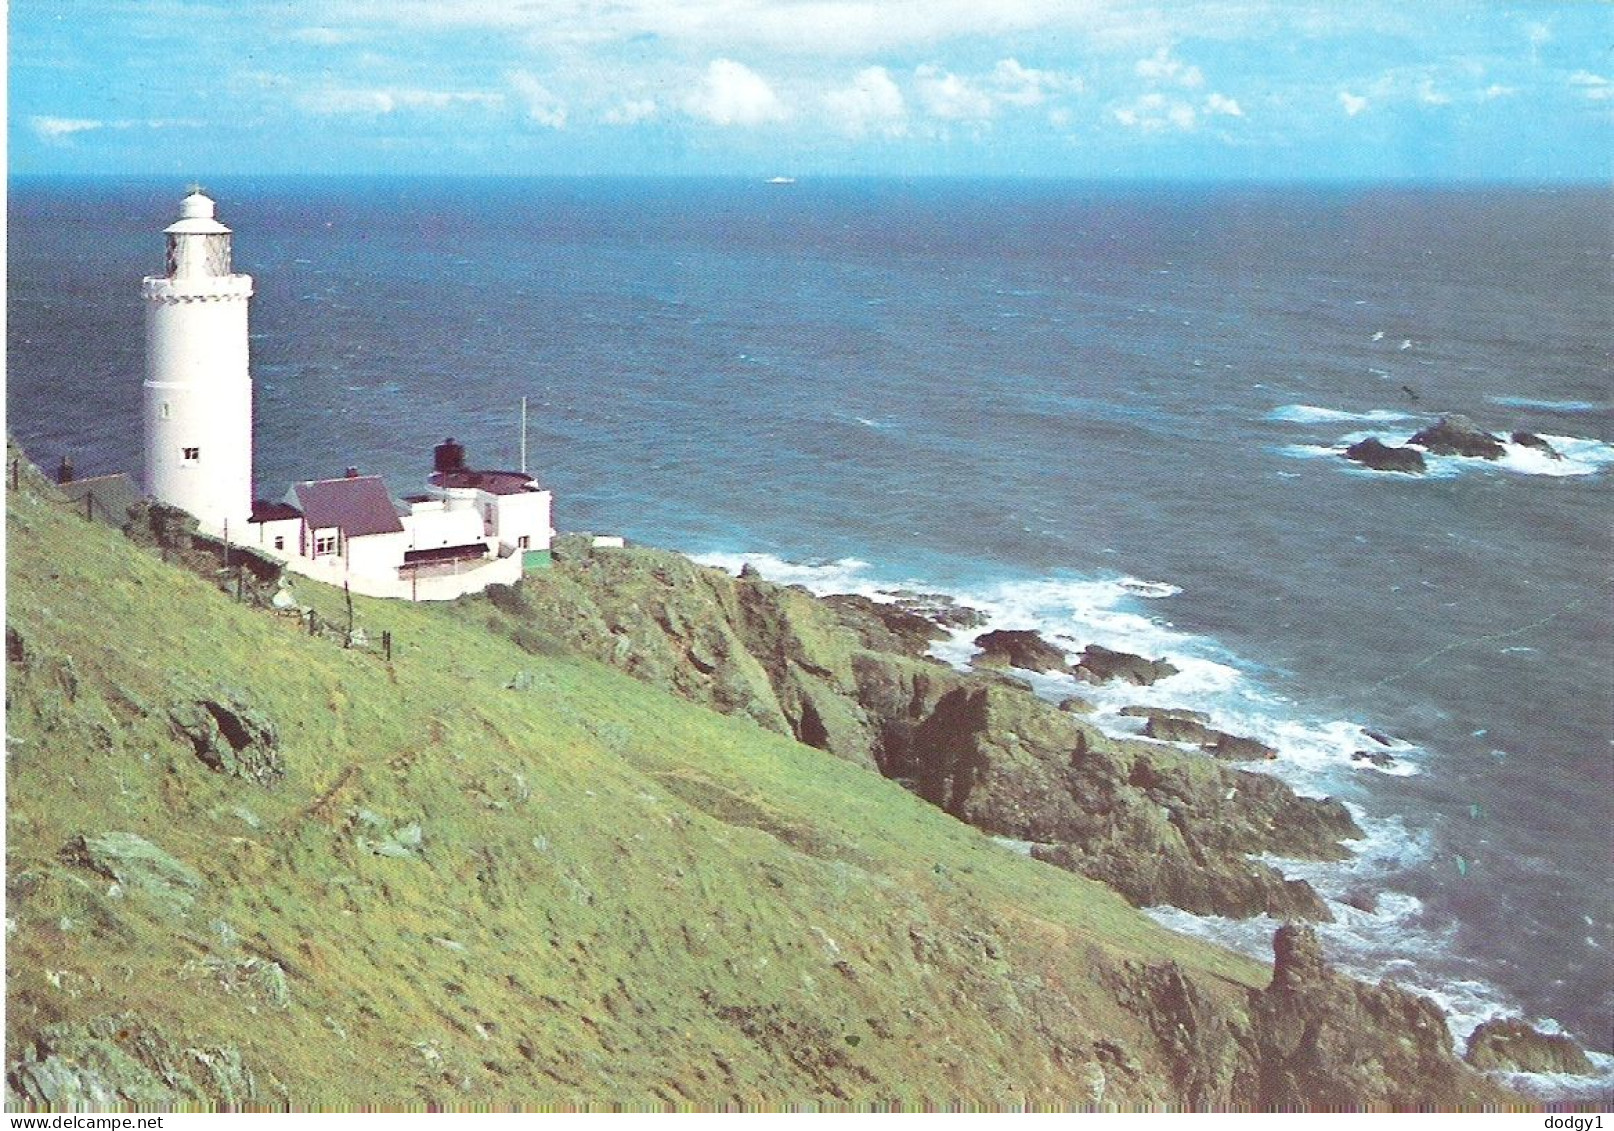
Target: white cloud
1595 87
1164 68
1429 96
732 94
1497 90
1027 86
1353 104
632 112
1222 104
542 106
1155 113
951 98
873 103
349 100
54 129
323 36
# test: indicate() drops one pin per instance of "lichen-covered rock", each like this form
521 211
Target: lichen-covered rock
122 1063
1329 1043
885 626
1099 664
1510 1045
137 865
230 736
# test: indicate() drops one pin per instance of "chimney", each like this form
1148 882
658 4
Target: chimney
448 456
352 473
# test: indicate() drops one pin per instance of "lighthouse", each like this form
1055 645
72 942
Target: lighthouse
198 391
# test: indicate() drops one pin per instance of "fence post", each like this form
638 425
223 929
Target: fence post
386 643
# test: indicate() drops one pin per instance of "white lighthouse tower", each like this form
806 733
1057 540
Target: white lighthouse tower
198 392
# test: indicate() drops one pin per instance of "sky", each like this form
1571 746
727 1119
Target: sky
1091 89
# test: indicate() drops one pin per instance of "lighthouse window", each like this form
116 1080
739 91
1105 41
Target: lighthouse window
192 454
165 410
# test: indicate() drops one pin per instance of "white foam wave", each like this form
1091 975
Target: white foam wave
1562 1086
843 575
1549 406
1312 414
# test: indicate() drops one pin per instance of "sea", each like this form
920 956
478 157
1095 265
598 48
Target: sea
1110 412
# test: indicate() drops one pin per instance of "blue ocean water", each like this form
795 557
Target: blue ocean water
1107 412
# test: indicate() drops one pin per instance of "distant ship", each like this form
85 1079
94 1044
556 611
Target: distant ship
781 180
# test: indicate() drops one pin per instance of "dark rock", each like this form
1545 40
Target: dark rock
1140 712
1373 453
885 627
1457 435
1180 726
1379 737
1531 440
1362 900
1310 1041
1019 648
16 649
1152 864
1174 725
749 572
1324 1042
940 609
1100 665
231 737
1377 757
1509 1045
1297 958
1234 748
1076 705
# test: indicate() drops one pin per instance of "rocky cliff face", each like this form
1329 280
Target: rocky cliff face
849 676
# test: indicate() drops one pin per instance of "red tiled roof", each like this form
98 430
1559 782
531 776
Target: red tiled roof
359 505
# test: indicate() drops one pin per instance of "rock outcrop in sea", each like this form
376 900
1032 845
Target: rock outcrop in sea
1373 452
1457 435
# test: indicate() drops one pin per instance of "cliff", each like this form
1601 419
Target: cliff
850 677
251 867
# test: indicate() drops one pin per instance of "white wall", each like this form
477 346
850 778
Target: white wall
265 533
525 514
431 527
377 555
198 394
429 586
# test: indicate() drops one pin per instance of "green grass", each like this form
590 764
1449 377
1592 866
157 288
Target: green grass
619 898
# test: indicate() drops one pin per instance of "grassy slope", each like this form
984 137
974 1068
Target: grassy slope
620 897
